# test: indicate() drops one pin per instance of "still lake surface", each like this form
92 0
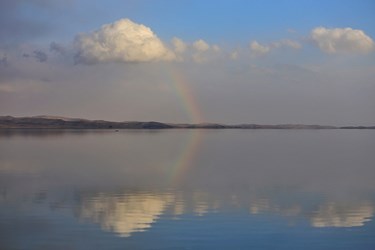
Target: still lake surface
187 189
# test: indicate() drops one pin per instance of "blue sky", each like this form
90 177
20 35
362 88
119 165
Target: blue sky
285 61
242 20
234 21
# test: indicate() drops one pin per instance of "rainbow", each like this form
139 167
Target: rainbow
181 86
185 160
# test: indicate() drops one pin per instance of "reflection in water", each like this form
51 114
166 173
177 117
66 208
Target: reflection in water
200 203
249 179
331 214
125 214
335 215
45 133
259 206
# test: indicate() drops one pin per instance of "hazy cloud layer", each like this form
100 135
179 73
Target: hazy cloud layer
258 49
342 40
287 43
121 41
216 48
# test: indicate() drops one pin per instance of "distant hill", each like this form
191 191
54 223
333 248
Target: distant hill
53 122
57 122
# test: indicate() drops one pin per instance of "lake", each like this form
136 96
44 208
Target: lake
187 189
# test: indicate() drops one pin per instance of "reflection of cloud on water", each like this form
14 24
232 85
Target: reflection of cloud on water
259 206
334 215
262 205
178 208
330 214
201 203
125 214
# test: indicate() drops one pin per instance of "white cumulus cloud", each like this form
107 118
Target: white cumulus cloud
121 41
179 45
259 49
342 40
201 45
204 52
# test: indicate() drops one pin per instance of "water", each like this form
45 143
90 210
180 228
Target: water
187 189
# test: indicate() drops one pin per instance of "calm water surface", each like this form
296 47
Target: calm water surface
187 189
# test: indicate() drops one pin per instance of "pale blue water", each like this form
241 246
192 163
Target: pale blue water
187 189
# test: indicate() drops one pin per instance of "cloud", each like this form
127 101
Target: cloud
4 61
203 52
199 58
6 88
179 45
30 86
259 49
58 48
9 88
342 40
234 55
121 41
286 43
201 45
40 56
216 48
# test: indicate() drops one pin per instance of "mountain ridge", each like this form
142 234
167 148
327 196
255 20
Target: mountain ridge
59 122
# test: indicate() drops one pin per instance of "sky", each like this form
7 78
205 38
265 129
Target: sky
266 62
